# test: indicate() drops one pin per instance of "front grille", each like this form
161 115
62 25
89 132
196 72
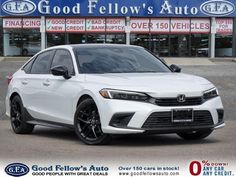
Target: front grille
191 101
163 120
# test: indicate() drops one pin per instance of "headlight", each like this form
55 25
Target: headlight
123 95
210 94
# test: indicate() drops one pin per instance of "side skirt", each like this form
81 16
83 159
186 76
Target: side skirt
35 121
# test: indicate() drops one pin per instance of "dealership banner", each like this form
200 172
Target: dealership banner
74 24
117 25
137 8
29 23
181 168
224 26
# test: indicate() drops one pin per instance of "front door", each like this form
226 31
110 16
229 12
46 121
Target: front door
60 91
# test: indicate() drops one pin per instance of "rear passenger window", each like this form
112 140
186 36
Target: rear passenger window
28 66
63 57
42 63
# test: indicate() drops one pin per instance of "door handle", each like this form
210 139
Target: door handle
46 83
24 82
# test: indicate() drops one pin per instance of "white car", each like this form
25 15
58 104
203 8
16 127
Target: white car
101 89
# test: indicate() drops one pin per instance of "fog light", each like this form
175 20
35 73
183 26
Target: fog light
220 115
121 120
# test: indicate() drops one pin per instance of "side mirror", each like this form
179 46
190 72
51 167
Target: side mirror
175 68
61 71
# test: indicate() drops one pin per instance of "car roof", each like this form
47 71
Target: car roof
91 46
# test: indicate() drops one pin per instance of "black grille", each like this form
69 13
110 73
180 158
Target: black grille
220 115
163 120
191 101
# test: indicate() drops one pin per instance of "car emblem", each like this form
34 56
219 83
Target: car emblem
181 98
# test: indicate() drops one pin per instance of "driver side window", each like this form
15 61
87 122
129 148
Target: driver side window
63 57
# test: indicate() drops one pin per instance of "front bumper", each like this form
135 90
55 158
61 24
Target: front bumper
7 104
141 111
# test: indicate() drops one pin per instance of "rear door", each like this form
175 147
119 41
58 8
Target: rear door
33 85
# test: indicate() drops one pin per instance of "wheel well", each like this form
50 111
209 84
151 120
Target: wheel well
82 98
13 95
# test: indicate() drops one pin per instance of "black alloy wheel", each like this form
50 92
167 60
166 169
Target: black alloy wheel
87 124
17 118
195 135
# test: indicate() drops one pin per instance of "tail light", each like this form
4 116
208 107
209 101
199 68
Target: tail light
9 78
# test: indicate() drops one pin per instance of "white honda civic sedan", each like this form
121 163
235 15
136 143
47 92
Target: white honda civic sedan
100 90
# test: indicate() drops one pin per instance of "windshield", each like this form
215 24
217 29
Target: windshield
117 59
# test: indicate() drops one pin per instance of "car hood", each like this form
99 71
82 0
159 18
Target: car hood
155 84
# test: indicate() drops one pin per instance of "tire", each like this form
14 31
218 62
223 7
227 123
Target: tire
18 119
25 52
196 135
87 124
